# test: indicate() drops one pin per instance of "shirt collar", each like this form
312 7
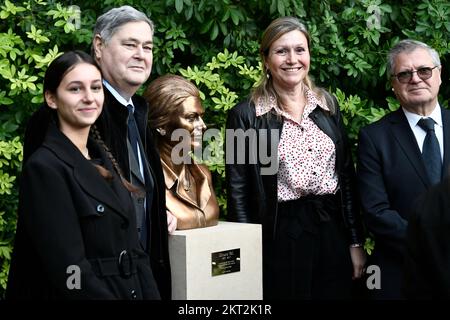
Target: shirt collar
262 107
413 118
117 95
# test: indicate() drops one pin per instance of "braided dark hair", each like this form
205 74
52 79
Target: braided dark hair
95 134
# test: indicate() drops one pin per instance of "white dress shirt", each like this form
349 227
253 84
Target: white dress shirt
420 134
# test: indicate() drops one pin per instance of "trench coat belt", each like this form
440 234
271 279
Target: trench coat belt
123 265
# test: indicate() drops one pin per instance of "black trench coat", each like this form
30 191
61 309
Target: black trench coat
69 215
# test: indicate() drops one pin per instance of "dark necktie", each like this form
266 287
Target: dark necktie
133 133
431 152
141 215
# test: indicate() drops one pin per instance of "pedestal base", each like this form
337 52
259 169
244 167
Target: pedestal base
223 262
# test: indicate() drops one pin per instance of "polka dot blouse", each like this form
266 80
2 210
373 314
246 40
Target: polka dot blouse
306 155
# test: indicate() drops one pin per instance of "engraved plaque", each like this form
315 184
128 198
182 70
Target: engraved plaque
224 262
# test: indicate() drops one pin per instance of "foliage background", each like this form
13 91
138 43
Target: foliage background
215 44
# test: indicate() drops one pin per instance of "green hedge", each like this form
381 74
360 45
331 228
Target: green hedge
215 44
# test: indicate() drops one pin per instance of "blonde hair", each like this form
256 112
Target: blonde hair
265 88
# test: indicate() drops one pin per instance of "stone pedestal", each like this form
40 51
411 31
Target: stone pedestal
223 262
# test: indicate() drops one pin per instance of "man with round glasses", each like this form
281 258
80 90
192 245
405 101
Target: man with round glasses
401 156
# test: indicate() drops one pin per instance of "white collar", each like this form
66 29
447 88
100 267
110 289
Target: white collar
413 118
117 95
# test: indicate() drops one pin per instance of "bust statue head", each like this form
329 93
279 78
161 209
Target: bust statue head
174 103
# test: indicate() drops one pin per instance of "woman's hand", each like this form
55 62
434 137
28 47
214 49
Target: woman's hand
358 260
171 222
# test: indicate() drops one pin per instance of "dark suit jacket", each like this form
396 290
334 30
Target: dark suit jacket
70 215
391 175
427 267
112 125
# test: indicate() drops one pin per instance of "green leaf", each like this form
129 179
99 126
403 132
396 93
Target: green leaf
235 16
37 99
4 14
223 28
375 36
281 8
31 85
60 23
382 69
422 6
188 13
226 15
273 6
6 101
179 5
205 28
214 32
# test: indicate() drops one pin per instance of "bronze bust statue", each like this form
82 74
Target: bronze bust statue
174 103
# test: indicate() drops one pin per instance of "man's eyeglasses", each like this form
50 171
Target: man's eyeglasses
423 73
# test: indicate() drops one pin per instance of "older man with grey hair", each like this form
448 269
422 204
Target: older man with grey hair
400 157
123 47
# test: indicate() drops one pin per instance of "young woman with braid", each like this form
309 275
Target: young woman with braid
76 234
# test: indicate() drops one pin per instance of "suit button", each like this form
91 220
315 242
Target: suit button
133 294
100 208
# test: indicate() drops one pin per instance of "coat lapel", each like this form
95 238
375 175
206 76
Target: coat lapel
201 184
200 181
100 191
404 136
446 130
84 170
